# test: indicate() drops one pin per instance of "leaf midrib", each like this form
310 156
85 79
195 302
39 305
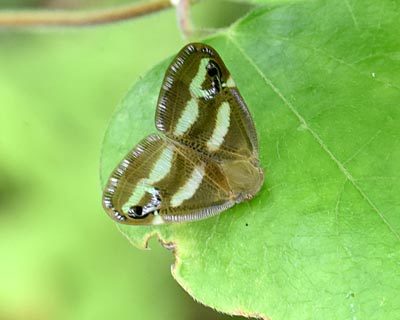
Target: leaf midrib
316 137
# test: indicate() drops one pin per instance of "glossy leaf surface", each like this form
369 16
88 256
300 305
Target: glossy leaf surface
322 238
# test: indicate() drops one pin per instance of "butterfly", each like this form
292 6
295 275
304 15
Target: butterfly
206 157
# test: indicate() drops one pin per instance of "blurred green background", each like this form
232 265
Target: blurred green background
61 256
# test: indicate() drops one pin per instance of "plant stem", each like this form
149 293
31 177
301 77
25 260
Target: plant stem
183 16
65 18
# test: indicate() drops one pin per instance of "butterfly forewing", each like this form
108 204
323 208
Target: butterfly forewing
161 181
200 106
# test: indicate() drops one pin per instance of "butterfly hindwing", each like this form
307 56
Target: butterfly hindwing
161 181
200 106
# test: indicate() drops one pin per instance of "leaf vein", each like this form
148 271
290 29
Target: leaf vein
355 154
353 17
350 65
317 138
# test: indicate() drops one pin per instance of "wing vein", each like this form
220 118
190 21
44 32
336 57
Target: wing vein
210 179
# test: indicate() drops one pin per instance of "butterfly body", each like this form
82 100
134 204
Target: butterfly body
206 158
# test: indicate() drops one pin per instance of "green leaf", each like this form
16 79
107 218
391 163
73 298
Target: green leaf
322 238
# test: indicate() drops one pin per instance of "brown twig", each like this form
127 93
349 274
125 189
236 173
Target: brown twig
68 18
183 16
